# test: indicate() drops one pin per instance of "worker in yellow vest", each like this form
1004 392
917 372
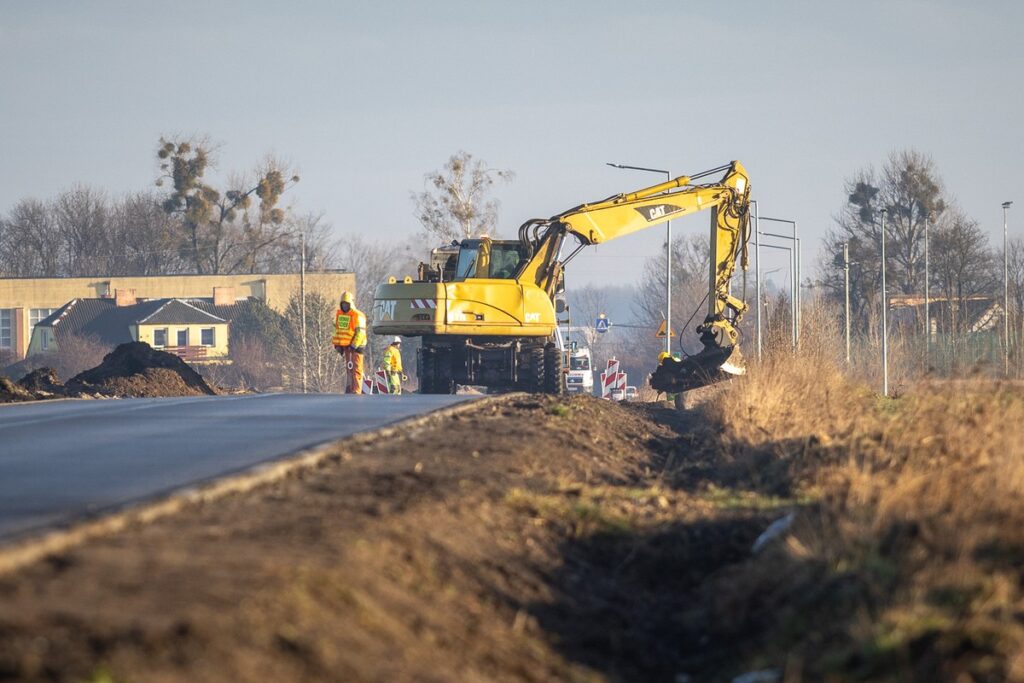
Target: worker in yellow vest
393 366
350 340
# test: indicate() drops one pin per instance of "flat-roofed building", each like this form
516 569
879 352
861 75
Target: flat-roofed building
25 302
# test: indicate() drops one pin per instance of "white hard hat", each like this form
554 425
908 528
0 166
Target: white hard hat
397 340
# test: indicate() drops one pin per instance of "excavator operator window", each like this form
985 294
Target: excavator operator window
489 259
469 253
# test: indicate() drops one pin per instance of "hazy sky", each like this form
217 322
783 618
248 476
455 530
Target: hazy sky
364 98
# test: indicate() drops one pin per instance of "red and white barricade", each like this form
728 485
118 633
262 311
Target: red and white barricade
368 385
609 378
380 378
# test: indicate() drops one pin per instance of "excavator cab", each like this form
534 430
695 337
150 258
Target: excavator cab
485 258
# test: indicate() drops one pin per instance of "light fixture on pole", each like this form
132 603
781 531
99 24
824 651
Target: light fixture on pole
668 257
885 318
1006 294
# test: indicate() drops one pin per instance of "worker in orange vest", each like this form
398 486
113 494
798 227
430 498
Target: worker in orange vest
350 340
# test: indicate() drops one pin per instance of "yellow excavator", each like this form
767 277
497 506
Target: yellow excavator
487 310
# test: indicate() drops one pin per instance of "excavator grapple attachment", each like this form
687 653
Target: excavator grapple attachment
707 367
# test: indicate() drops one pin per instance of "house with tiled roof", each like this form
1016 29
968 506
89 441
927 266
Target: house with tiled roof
174 325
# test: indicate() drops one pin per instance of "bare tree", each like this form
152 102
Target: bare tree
909 188
82 218
30 241
144 238
455 204
962 267
325 369
691 257
585 305
222 232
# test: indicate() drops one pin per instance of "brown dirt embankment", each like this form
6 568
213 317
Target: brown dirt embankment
132 370
528 539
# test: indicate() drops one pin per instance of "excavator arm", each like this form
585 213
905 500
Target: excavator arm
727 198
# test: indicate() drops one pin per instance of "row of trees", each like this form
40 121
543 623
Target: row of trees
190 227
963 265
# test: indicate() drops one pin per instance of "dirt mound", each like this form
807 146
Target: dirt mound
12 393
137 370
41 379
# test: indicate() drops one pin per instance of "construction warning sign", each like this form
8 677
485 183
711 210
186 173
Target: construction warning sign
663 330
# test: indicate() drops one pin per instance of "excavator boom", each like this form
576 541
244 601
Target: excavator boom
486 309
727 198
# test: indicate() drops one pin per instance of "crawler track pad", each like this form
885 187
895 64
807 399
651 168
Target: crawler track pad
707 367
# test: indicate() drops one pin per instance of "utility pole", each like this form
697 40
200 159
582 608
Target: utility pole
927 313
885 318
757 276
302 297
1006 294
846 278
797 266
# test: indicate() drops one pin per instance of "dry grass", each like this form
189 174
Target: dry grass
909 566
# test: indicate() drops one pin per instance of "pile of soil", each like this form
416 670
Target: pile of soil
11 392
138 370
40 380
133 370
524 539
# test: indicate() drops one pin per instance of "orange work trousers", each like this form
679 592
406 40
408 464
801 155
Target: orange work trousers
354 367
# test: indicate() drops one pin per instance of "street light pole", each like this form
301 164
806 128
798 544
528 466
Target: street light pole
302 297
799 296
927 314
846 282
668 258
885 318
1006 294
757 276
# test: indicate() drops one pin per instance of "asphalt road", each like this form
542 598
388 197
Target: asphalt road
66 460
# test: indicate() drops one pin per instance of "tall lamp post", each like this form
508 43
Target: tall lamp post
885 318
927 313
668 257
846 289
757 276
1006 294
302 300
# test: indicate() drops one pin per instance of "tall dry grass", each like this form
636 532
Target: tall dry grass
909 564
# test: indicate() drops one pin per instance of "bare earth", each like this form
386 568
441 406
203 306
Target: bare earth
527 539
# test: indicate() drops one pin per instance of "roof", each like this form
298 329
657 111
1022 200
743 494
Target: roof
178 312
111 324
228 313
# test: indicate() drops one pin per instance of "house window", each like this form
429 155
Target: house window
46 335
6 326
160 338
182 337
207 336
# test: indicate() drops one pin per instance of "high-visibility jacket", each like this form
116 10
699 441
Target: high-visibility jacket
349 328
392 359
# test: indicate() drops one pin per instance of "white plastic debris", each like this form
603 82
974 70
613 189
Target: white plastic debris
774 531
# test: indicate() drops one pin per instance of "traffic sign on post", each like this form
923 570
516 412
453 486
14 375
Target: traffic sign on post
601 324
663 330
